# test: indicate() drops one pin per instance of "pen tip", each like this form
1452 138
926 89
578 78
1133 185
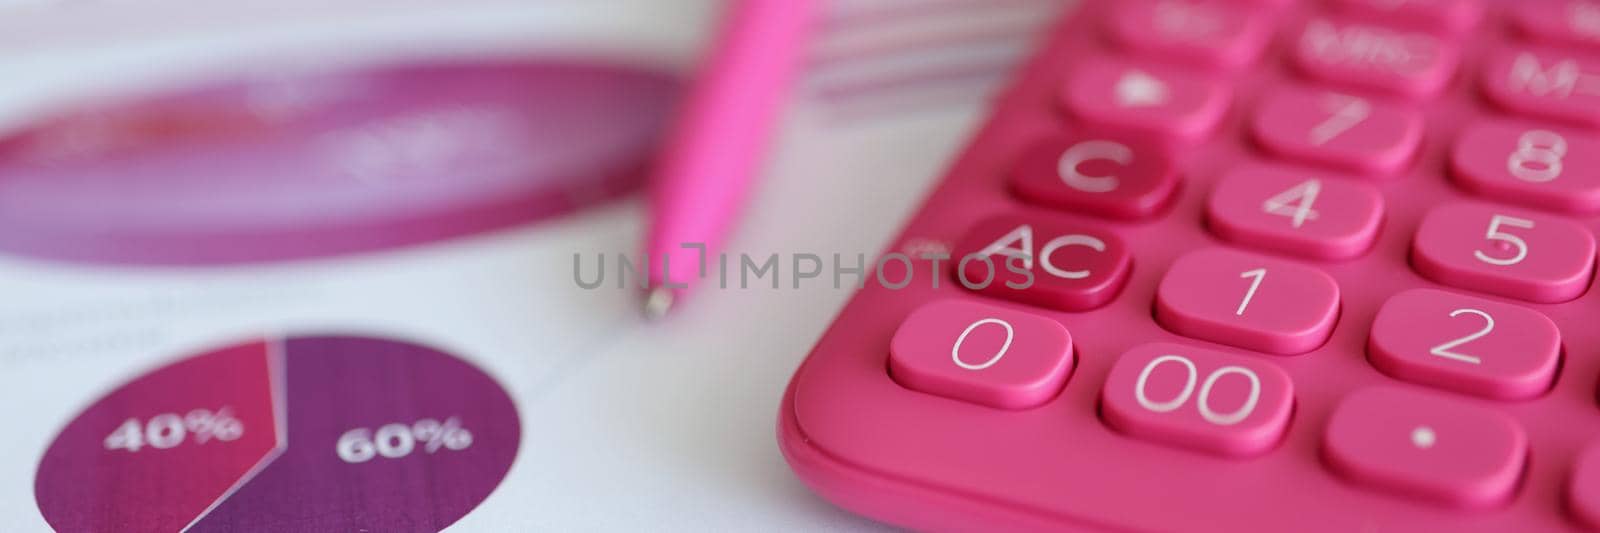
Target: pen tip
657 302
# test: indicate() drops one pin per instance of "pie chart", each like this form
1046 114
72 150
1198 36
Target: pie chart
310 433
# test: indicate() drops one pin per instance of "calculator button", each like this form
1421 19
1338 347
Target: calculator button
1214 32
1369 56
1038 261
1583 488
1291 211
981 353
1208 400
1465 344
1426 445
1505 252
1568 22
1530 164
1545 84
1442 15
1349 132
1249 301
1097 175
1145 99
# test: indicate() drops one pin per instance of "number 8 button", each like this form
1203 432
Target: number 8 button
1505 252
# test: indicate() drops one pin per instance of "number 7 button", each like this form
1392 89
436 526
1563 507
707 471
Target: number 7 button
1505 252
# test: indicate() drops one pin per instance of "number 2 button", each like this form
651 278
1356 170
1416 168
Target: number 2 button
1505 252
1249 301
1295 212
1466 344
1191 397
982 354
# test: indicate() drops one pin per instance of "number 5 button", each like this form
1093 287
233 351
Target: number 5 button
1248 301
1505 252
1465 344
1192 397
1295 212
981 353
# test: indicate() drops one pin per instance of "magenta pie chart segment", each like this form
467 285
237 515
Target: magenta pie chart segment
324 433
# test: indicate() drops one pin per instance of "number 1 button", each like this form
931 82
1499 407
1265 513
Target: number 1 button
1249 301
1426 446
1505 252
981 353
1466 344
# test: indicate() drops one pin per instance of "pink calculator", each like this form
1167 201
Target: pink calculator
1242 266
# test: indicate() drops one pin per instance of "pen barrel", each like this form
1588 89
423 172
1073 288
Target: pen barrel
722 134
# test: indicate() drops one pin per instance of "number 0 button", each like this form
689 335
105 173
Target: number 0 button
982 354
1505 252
1216 402
1248 301
1465 344
1427 446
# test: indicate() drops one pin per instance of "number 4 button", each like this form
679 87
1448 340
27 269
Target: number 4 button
1505 252
1466 344
1295 212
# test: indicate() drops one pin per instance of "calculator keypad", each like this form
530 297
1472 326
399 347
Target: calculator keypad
1249 301
1466 344
1505 252
1198 398
1426 445
1362 299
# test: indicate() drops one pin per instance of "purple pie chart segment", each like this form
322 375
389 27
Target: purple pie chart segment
299 434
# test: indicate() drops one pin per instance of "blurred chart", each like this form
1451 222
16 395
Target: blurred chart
297 434
294 165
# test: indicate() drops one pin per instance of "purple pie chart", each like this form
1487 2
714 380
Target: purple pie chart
317 433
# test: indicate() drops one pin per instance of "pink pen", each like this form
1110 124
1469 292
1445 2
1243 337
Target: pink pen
721 135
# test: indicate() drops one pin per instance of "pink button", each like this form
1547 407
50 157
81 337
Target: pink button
1583 488
1505 252
1567 22
1440 15
1196 398
1427 446
1249 301
1042 261
1145 99
1369 56
1545 84
1349 132
1218 33
1530 164
981 353
1097 175
1292 211
1465 344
